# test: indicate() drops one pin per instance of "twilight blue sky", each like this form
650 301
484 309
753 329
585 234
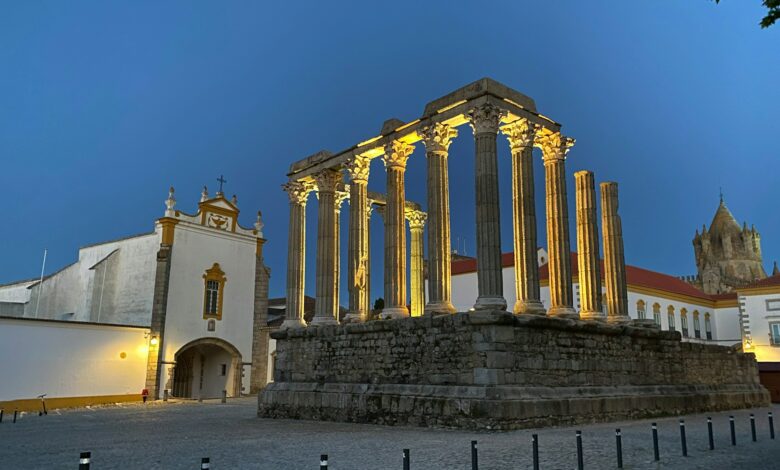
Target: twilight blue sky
103 105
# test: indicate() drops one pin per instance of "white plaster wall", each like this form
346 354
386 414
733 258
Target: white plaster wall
17 292
70 359
196 249
725 321
758 321
211 368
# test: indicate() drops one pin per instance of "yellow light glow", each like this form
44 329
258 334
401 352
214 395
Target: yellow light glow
512 102
446 108
407 125
366 142
154 341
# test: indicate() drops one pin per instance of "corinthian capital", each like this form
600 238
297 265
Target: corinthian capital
437 138
520 134
416 219
358 168
396 154
298 191
341 196
485 118
554 145
327 180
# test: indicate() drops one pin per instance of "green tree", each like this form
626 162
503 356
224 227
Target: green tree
772 15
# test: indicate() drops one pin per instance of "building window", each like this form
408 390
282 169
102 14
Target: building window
772 304
640 309
707 325
224 370
696 324
670 316
684 322
657 314
214 280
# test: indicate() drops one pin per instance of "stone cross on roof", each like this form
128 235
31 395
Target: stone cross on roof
221 181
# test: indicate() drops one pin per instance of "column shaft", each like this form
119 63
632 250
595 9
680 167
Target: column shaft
395 158
325 307
588 247
296 253
554 148
358 239
437 140
521 136
484 122
614 258
416 226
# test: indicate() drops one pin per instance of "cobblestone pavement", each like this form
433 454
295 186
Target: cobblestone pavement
177 435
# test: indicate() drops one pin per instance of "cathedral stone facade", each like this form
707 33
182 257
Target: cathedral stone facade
727 256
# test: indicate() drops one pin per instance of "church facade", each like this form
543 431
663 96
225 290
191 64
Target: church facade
196 288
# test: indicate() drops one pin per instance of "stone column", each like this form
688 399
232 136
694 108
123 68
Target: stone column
296 252
338 200
357 278
614 259
521 142
437 139
588 247
367 298
416 225
325 308
396 155
554 148
484 122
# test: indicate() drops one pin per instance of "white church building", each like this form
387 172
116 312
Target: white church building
180 309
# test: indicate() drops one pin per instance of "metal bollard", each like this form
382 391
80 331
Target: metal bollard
709 431
224 396
474 458
200 398
165 395
733 431
15 412
579 450
753 427
407 463
205 463
535 446
771 424
656 456
84 460
2 411
683 442
324 462
619 447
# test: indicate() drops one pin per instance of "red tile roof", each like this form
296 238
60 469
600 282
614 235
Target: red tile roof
635 276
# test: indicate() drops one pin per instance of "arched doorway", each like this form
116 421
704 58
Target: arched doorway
205 367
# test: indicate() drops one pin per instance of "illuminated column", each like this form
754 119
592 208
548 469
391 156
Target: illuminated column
437 140
325 308
296 252
416 225
521 140
484 122
339 198
367 298
357 261
614 259
396 155
554 148
588 247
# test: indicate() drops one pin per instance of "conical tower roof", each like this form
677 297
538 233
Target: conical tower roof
723 222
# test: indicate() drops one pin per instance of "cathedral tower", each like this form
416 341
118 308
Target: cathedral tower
727 255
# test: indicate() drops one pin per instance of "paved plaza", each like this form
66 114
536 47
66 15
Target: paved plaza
177 435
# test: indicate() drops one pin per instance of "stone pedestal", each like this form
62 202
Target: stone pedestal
495 370
484 122
588 247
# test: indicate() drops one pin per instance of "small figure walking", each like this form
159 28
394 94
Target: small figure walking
145 394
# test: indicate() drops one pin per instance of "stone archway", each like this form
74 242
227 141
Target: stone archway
206 366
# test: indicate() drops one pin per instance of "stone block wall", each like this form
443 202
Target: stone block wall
500 371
